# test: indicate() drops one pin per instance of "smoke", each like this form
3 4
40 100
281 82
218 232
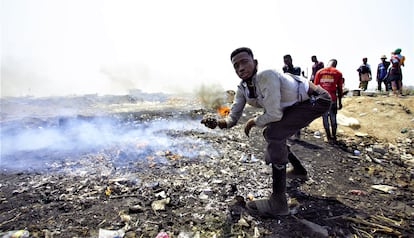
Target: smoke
211 96
37 142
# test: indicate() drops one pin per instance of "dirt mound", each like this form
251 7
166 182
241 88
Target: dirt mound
384 117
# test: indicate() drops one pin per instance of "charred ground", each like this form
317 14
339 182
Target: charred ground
189 196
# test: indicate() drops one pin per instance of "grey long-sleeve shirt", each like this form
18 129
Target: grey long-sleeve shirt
275 91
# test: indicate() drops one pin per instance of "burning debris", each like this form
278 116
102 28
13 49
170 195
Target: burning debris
162 173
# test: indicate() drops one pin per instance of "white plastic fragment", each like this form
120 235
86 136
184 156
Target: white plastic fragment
384 188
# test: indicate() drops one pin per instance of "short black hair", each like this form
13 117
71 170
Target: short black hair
241 49
287 57
333 62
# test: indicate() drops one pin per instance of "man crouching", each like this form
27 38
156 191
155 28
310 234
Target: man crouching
290 103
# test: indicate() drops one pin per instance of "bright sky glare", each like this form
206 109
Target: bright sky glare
67 47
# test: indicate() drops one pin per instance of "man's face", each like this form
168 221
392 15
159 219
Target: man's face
244 65
287 61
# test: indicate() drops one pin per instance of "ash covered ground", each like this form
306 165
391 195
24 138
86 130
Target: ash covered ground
127 165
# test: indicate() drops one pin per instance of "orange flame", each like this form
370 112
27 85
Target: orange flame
223 110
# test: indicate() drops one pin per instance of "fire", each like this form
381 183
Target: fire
223 110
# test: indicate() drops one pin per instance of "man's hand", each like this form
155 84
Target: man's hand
250 123
209 122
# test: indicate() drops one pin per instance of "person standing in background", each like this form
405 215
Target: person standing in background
397 53
289 68
382 71
317 65
365 75
395 73
331 80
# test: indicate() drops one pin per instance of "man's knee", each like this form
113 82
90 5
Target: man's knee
276 153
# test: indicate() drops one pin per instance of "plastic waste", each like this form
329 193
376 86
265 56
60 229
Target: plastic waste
357 152
162 234
103 233
357 192
253 158
384 188
245 158
404 130
15 234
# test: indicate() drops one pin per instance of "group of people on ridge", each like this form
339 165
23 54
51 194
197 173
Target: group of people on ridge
389 73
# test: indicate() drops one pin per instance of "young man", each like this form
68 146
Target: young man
290 103
317 65
382 71
331 80
364 72
289 68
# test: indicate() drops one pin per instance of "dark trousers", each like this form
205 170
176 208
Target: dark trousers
294 118
329 120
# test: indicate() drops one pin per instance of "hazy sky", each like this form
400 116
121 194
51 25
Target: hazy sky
62 47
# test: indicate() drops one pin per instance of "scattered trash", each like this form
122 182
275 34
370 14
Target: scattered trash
245 158
103 233
16 234
317 134
357 192
243 222
384 188
253 158
250 197
361 134
357 152
256 233
108 191
203 196
162 234
161 194
159 205
184 234
136 209
378 161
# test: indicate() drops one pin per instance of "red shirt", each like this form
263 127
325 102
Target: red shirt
331 80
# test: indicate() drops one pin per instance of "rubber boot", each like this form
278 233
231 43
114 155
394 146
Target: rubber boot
298 171
278 200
